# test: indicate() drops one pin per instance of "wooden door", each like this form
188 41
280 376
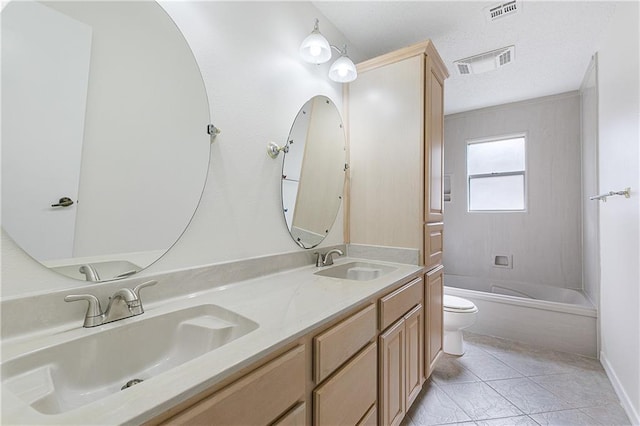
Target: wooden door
434 295
414 350
386 115
434 145
392 394
433 244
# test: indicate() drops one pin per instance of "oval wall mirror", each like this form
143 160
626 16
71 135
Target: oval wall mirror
104 145
313 172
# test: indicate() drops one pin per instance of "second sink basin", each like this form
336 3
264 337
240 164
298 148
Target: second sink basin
357 271
69 375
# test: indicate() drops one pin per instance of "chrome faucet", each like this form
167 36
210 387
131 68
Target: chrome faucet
123 304
327 258
90 272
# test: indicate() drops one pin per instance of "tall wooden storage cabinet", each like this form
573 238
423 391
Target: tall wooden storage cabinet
395 119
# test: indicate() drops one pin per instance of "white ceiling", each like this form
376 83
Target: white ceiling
554 42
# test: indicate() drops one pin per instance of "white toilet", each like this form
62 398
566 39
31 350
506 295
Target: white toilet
459 313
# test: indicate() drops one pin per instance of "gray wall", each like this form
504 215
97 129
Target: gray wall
545 241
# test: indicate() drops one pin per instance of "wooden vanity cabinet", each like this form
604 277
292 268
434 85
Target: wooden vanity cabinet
401 352
395 195
363 368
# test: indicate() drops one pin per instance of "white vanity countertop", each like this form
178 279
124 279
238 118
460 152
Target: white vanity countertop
286 306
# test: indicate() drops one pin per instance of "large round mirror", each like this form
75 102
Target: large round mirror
313 172
104 144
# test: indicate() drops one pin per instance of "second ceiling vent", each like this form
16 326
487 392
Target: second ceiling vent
502 9
487 61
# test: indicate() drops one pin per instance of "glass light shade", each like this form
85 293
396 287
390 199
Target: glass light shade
315 48
343 70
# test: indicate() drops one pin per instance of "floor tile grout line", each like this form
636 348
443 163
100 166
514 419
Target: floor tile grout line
522 413
525 361
457 405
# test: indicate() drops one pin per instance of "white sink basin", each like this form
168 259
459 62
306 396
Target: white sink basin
69 375
357 271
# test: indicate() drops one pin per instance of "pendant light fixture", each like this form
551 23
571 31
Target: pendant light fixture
315 49
343 70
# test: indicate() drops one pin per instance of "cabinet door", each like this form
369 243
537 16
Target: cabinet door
433 244
386 109
414 348
392 394
434 293
434 145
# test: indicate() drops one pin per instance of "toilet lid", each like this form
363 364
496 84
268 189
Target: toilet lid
458 303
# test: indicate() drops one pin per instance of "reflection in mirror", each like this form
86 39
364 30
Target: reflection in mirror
104 148
313 172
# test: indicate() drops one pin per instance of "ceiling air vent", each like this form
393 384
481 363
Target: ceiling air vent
487 61
501 10
463 68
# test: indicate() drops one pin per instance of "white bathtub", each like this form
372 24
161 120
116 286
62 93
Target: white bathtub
542 315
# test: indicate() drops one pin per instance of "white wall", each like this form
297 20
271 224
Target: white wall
256 83
46 59
619 165
590 208
544 240
145 150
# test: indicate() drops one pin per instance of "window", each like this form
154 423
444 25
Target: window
496 174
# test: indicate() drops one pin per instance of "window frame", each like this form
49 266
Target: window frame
522 173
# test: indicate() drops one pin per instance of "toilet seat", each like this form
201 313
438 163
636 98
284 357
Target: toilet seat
458 304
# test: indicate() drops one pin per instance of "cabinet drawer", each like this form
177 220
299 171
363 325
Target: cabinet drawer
433 244
258 398
393 306
348 396
296 417
335 346
371 418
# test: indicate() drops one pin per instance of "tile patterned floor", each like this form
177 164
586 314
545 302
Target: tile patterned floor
499 382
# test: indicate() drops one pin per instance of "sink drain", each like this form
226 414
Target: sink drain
131 383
